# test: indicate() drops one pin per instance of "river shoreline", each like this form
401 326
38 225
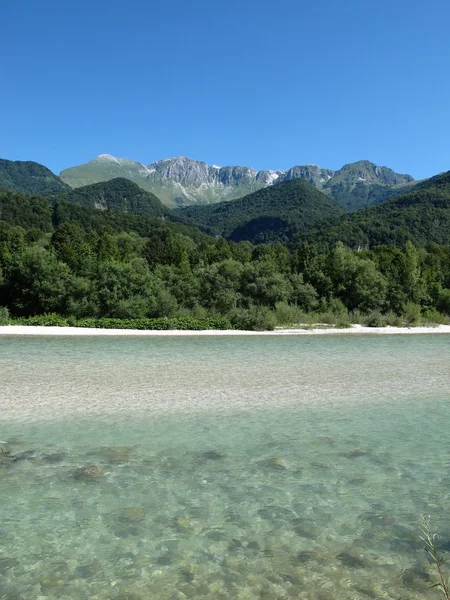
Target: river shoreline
309 330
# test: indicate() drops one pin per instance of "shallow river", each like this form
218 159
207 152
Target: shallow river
222 467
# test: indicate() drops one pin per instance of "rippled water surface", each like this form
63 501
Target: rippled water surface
247 467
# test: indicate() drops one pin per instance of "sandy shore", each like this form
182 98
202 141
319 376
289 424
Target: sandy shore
353 330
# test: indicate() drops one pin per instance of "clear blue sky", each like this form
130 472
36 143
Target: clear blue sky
260 83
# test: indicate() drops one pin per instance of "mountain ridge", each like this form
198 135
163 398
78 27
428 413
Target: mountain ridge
181 181
29 177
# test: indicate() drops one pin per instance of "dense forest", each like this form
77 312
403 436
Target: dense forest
28 177
61 258
421 215
273 214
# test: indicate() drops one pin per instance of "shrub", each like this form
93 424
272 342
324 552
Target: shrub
443 303
288 314
412 313
373 319
255 318
4 315
163 323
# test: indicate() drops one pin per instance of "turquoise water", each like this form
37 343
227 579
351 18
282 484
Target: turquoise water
260 467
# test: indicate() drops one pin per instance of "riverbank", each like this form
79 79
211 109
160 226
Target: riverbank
309 330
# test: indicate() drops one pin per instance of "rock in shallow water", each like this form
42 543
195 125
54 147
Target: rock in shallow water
55 457
356 453
132 514
276 464
213 455
416 579
7 563
117 455
88 473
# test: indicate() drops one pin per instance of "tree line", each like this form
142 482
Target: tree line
84 263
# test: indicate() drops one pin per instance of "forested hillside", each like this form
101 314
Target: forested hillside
28 177
118 194
273 214
421 216
84 263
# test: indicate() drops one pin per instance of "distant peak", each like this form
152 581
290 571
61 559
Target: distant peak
105 157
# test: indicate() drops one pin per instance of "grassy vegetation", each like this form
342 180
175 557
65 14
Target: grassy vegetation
430 546
164 323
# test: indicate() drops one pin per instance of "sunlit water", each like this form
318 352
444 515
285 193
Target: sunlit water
216 468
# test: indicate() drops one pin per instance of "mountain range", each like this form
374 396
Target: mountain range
181 181
288 212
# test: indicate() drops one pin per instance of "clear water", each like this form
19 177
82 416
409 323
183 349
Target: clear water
260 467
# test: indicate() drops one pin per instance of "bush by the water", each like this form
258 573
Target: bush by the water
184 323
67 262
4 315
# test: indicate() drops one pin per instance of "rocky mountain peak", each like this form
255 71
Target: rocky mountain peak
181 181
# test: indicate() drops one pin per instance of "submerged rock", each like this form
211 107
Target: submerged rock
132 514
88 473
306 528
378 520
355 558
276 463
89 570
213 455
55 457
130 531
416 579
117 455
234 545
356 453
216 535
26 455
128 595
306 556
6 459
7 563
275 513
182 524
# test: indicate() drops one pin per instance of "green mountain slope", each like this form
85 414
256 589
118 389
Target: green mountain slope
421 216
118 194
361 184
181 181
29 177
272 214
36 213
29 212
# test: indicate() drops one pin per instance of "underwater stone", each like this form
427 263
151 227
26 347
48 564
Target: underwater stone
117 455
379 520
124 532
356 453
354 559
277 464
54 458
26 455
7 563
235 544
89 570
213 455
254 545
5 459
132 514
215 535
88 473
416 579
182 524
306 556
306 528
128 596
